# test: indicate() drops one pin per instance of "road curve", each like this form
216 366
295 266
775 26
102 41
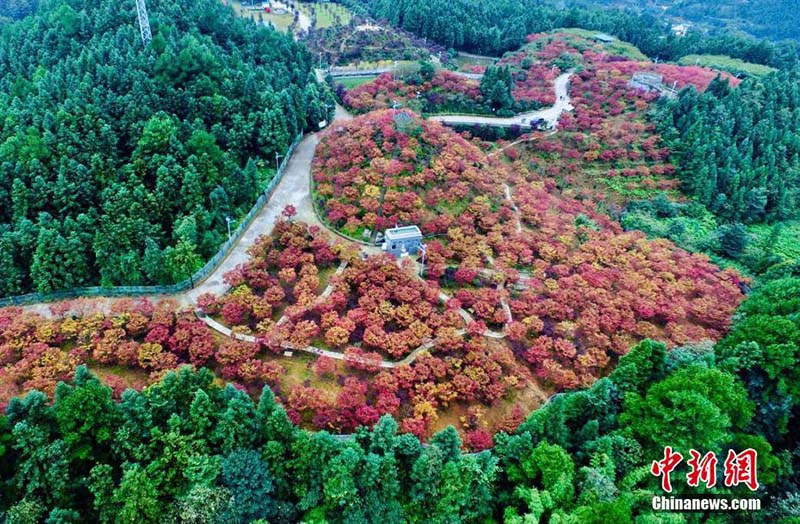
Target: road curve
294 189
550 114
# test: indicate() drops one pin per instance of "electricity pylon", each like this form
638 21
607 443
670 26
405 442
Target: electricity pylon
144 22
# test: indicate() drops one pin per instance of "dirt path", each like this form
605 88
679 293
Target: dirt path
303 20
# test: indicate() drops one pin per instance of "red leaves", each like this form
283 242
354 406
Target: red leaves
445 88
234 313
235 352
366 186
478 440
324 367
289 211
587 290
208 304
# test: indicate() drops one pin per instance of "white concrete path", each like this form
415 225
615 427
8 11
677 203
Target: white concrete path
549 115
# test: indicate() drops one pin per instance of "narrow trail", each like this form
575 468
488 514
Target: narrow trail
528 138
513 206
303 20
288 346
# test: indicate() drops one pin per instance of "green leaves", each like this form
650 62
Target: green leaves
87 416
183 259
137 498
695 407
133 139
738 151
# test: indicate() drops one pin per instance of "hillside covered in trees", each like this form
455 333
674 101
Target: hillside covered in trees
119 164
773 19
588 294
497 26
189 451
738 150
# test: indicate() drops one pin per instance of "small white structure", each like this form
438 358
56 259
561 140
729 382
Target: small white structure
401 241
680 29
647 81
604 38
650 81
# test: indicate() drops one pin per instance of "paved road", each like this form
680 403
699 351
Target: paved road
472 76
292 189
340 72
550 114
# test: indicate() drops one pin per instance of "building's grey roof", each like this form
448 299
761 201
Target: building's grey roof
604 37
405 232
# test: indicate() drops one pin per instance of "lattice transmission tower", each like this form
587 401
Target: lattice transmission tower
144 22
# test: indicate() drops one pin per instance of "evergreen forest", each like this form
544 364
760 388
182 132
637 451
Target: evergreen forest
118 163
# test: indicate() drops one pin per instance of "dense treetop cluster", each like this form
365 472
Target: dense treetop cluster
118 163
738 150
773 19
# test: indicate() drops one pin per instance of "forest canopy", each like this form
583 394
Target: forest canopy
119 163
738 150
773 19
494 27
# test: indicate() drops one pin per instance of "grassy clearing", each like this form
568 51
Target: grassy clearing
465 63
130 377
280 21
351 82
328 14
618 47
782 239
529 398
325 277
635 187
726 63
453 207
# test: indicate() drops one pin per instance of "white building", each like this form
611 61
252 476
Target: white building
402 240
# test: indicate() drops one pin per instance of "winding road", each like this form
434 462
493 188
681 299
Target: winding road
549 115
294 189
303 20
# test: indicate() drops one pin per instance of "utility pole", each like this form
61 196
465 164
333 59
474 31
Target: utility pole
228 221
277 156
144 22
